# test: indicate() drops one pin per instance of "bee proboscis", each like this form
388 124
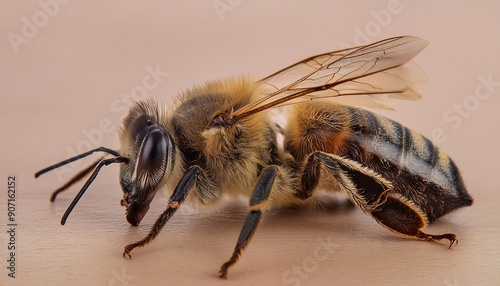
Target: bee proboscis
220 139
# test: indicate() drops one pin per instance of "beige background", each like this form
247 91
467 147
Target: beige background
68 76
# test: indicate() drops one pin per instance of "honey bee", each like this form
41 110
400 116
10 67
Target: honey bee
221 139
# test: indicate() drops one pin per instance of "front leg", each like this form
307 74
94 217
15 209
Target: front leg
257 202
176 199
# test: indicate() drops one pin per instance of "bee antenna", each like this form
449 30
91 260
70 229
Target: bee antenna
77 157
75 179
102 163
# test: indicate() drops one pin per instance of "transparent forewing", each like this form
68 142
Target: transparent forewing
302 70
374 69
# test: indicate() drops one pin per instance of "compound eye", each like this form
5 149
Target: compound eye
153 155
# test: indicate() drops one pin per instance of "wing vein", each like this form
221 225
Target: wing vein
348 72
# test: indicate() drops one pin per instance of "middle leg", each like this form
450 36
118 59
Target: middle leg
273 186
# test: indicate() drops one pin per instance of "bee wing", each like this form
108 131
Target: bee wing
303 69
374 69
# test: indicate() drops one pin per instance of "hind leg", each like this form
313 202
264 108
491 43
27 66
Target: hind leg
371 192
403 217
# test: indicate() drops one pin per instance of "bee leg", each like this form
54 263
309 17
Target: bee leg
176 199
257 202
371 192
401 216
364 186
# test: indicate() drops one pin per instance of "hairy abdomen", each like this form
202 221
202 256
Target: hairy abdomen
418 169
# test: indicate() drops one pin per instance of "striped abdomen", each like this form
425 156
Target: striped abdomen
418 169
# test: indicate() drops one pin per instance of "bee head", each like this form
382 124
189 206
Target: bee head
147 158
151 152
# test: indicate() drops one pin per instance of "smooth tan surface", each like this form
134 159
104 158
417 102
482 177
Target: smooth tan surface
73 76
